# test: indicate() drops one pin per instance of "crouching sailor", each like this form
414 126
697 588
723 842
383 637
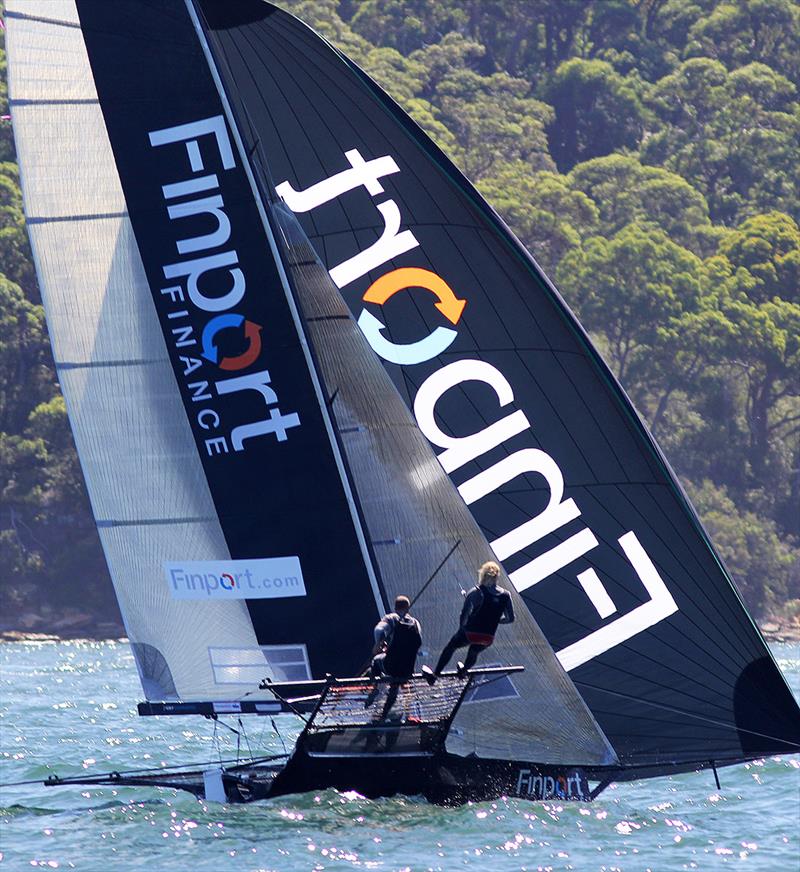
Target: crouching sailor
487 605
398 637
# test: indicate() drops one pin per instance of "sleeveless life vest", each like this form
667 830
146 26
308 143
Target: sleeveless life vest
401 655
486 618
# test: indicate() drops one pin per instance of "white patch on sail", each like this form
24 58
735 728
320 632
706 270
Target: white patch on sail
265 578
660 606
250 665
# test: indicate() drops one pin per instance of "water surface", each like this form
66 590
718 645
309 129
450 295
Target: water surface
69 707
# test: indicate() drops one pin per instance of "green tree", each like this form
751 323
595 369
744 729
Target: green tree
757 557
494 120
25 377
762 262
548 215
628 287
739 32
733 136
596 112
625 191
407 25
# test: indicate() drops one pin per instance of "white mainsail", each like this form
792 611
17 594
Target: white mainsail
145 480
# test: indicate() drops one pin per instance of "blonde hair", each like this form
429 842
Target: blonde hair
489 570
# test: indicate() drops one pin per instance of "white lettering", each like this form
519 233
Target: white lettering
595 590
197 389
551 518
207 206
462 449
389 245
192 270
190 364
555 559
660 605
183 334
206 414
189 133
217 445
277 423
361 172
190 186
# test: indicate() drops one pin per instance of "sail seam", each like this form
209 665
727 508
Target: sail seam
78 101
90 364
722 724
328 318
153 522
42 20
98 216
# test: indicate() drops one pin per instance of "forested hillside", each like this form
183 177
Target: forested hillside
645 151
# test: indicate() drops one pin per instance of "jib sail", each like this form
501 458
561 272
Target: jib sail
545 448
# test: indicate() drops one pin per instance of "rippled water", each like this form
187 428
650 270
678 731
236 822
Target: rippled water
67 707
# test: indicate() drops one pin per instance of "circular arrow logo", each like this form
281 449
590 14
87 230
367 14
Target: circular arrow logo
252 333
432 345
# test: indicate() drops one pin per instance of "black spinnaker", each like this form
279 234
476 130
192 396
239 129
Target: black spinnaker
546 449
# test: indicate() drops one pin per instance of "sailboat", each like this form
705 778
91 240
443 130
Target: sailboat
308 368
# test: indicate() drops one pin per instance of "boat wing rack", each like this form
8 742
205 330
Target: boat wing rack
346 703
361 716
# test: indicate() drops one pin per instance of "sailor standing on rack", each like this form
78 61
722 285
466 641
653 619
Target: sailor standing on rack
487 605
398 637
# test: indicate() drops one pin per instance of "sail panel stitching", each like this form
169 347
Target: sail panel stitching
154 522
91 364
52 219
40 19
74 101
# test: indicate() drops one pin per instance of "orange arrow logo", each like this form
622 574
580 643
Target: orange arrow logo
252 333
414 277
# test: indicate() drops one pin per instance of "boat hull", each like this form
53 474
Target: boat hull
442 778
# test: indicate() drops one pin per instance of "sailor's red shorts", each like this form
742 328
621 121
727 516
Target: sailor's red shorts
484 639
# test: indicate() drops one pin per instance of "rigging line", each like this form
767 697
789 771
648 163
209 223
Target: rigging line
287 280
267 70
278 734
266 684
246 738
709 652
435 573
731 597
330 63
686 714
290 106
708 688
58 22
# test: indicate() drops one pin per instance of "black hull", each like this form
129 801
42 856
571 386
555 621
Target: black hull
442 778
